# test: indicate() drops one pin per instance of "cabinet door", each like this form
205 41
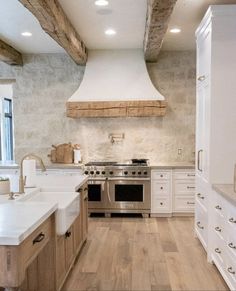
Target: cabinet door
203 129
77 229
61 260
85 214
204 55
69 246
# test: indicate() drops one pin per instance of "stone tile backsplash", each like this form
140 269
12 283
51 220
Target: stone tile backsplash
45 82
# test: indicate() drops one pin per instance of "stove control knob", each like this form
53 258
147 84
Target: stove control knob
111 172
126 173
97 172
145 173
103 172
133 173
139 173
86 172
91 172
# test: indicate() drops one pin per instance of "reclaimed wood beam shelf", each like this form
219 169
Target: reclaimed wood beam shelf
144 108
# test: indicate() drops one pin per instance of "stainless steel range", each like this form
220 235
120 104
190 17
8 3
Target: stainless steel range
119 188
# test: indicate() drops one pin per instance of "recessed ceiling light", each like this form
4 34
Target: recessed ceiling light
101 2
175 30
110 31
26 33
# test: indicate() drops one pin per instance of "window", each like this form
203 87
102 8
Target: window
6 136
8 129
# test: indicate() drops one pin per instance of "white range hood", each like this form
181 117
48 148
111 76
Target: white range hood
115 82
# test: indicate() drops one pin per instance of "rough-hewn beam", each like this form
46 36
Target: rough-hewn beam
55 22
9 55
158 15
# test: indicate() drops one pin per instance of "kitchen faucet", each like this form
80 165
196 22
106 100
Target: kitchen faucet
21 179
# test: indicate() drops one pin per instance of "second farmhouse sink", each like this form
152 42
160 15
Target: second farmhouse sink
68 206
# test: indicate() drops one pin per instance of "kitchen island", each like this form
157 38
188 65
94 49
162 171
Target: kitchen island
33 255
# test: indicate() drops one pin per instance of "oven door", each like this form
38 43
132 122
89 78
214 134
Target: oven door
129 193
97 194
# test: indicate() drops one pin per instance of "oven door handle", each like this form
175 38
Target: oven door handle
128 179
108 193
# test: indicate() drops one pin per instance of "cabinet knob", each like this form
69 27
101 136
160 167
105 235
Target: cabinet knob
232 246
232 220
230 270
218 229
218 207
199 225
68 234
200 196
218 251
201 78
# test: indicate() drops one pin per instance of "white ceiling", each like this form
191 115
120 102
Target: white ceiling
14 19
127 17
187 15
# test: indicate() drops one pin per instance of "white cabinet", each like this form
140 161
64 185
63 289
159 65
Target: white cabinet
161 192
216 103
172 191
183 191
222 236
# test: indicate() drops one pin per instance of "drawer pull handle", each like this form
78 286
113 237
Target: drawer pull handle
218 251
190 203
218 229
199 225
232 246
68 234
232 220
161 176
218 207
199 195
191 175
161 188
39 238
161 203
201 78
230 270
190 187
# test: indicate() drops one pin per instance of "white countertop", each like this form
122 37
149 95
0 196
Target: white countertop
173 165
226 190
19 219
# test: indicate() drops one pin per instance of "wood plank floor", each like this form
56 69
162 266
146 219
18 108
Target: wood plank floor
143 254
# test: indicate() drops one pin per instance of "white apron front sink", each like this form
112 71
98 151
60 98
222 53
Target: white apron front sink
68 206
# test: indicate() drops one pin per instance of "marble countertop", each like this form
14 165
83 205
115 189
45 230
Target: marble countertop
173 165
226 190
19 219
169 165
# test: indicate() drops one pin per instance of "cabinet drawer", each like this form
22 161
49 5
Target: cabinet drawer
161 205
183 187
230 270
160 188
201 224
218 250
37 240
184 204
161 175
184 175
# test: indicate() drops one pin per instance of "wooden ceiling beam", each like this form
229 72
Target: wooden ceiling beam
157 20
10 55
54 21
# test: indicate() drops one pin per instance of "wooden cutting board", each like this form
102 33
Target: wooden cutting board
62 153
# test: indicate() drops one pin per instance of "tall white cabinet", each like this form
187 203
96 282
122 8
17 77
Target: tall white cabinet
216 108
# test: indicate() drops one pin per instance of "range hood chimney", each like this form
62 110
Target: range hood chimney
116 84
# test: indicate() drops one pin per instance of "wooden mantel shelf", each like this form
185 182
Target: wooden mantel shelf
142 108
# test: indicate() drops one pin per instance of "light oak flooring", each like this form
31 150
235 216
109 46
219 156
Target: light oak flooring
143 254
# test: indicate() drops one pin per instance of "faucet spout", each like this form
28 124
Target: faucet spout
21 178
